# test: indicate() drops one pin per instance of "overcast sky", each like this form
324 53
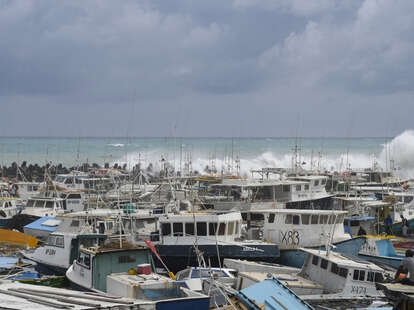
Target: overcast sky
206 68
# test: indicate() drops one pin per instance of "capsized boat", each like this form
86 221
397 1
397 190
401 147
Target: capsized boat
380 249
270 292
329 275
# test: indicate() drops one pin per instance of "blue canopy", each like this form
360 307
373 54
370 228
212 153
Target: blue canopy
37 225
273 294
360 218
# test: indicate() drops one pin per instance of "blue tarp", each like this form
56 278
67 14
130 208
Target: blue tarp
9 262
273 294
37 225
361 218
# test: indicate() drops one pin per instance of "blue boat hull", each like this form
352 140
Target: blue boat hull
391 261
296 257
178 257
4 223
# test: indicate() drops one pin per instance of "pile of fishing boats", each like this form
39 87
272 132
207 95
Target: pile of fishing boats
287 240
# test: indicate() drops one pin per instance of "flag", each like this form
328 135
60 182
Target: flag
153 249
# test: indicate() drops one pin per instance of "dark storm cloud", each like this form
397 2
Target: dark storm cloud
251 64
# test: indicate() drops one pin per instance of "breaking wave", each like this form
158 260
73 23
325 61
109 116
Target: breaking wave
116 144
397 154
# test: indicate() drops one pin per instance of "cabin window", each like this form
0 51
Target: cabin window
378 277
84 259
315 260
271 218
323 219
339 219
286 188
323 181
408 199
60 241
305 219
237 228
39 204
189 229
182 275
127 259
288 219
109 225
370 276
51 240
314 219
334 268
296 220
68 181
212 228
354 223
74 223
359 275
49 204
178 229
324 264
30 204
230 228
316 183
200 273
222 229
306 187
343 272
332 219
298 188
201 229
166 229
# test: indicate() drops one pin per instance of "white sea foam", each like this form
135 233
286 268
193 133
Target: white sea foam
116 144
400 150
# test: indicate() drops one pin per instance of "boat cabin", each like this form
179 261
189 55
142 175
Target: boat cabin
193 276
83 182
290 228
207 228
92 266
342 275
8 209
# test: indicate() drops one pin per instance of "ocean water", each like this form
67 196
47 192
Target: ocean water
221 153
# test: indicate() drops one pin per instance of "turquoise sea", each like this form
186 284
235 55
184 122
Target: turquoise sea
253 153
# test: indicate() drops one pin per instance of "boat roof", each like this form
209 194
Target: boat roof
256 183
46 198
359 198
376 204
200 216
299 211
114 247
46 223
308 177
344 260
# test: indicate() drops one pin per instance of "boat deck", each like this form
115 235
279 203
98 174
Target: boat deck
15 295
289 280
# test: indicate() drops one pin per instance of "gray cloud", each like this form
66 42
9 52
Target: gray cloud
250 67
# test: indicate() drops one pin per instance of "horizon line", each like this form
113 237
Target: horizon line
194 137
